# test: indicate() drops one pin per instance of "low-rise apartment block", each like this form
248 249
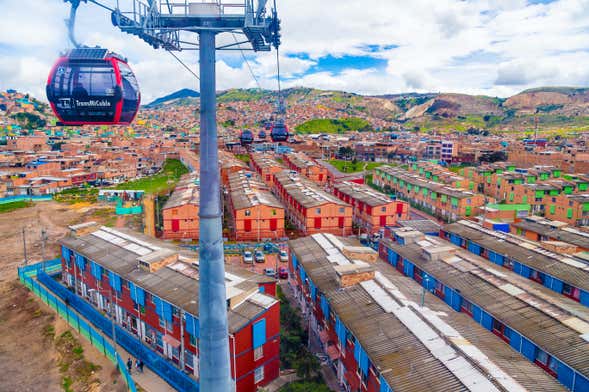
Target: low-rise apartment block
180 213
310 208
381 335
306 166
153 287
442 201
540 326
256 213
266 166
372 210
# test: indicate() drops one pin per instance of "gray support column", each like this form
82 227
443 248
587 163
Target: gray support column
215 371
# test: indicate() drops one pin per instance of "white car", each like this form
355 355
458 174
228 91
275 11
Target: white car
248 257
260 258
283 256
270 272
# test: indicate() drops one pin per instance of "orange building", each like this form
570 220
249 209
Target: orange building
445 202
310 208
229 164
257 214
372 210
266 166
572 209
180 213
306 166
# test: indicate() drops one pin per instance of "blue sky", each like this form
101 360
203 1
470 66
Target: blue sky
493 47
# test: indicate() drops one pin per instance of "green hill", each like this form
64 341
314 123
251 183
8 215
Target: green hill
324 125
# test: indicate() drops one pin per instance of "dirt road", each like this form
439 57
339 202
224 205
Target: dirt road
30 359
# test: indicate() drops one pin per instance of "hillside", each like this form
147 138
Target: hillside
181 97
554 109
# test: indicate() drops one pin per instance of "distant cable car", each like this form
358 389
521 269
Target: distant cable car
262 135
93 86
279 132
246 137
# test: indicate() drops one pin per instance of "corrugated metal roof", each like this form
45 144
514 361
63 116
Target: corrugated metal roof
402 359
547 332
539 261
177 288
305 191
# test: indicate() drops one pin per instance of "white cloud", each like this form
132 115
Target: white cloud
528 45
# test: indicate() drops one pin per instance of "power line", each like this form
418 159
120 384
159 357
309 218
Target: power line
183 64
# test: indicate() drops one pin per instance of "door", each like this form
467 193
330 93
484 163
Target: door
175 225
317 223
340 221
383 220
273 224
247 225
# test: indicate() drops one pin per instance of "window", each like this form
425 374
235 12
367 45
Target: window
258 353
248 213
342 210
383 209
546 362
174 212
500 330
467 307
259 374
192 340
508 264
571 292
440 290
318 210
273 212
536 276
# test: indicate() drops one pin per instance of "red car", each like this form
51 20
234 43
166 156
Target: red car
283 273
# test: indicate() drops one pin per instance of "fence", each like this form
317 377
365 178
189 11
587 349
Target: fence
166 370
10 199
26 275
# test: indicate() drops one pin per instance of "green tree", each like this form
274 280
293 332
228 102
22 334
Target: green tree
307 366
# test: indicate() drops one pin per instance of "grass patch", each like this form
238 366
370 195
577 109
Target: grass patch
243 157
15 205
66 384
304 386
164 180
75 368
75 195
49 331
353 166
325 125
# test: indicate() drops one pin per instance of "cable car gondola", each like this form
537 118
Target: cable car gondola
93 86
246 137
279 132
262 135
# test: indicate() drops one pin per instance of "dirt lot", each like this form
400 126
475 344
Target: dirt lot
32 357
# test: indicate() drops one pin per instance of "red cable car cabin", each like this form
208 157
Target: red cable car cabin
93 86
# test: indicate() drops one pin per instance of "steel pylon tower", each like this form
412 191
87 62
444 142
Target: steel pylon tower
165 24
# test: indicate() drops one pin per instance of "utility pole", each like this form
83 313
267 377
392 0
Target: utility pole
24 245
43 240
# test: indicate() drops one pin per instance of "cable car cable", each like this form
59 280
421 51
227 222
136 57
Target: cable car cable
247 63
183 64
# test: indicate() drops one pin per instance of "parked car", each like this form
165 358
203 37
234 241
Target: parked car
270 272
283 273
323 359
247 257
283 256
260 257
